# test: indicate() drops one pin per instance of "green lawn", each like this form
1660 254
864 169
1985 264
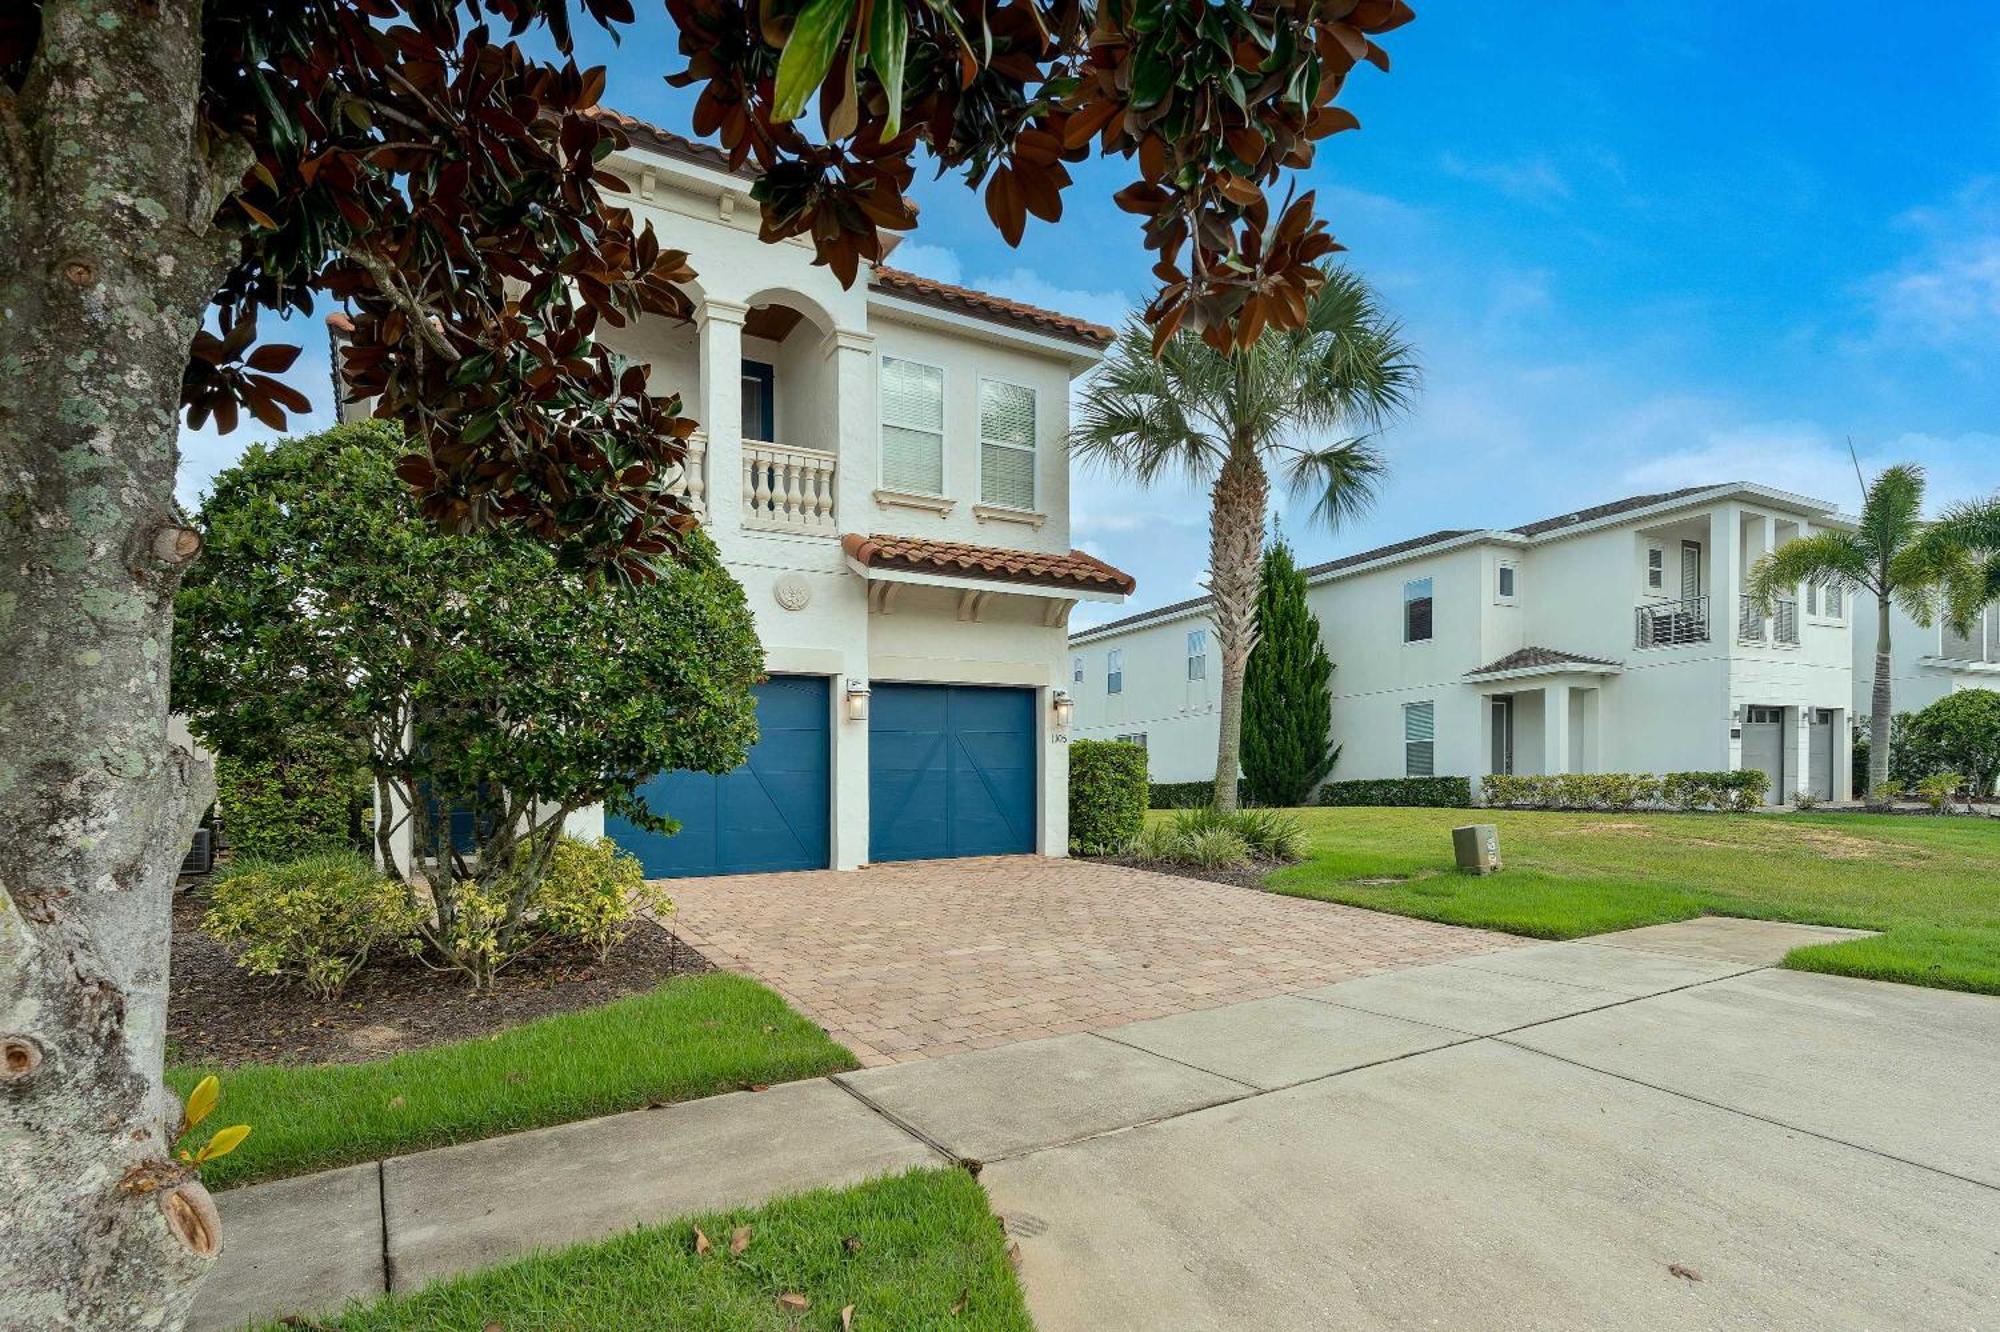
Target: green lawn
1933 885
693 1036
910 1252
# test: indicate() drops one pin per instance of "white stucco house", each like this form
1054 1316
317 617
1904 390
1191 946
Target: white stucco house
1926 662
884 469
1613 639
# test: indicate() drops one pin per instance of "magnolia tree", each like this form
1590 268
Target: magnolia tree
469 668
173 171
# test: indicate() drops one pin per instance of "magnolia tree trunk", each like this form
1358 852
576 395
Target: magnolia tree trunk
1879 705
1235 547
107 261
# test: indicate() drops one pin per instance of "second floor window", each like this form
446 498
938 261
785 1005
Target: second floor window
912 426
1197 654
760 405
1006 444
1076 670
1419 739
1656 569
1503 586
1417 611
1114 671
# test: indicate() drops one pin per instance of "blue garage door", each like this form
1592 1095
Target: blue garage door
951 772
769 814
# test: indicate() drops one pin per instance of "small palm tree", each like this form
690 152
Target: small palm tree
1227 421
1887 555
1964 543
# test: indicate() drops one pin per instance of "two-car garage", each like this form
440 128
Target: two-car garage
951 772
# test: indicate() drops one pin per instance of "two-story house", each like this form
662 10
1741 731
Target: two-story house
1614 639
1926 661
884 469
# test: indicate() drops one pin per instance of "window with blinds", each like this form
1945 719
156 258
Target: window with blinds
1006 444
1419 739
1114 671
912 426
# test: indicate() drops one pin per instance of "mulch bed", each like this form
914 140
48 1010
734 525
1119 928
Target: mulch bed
217 1013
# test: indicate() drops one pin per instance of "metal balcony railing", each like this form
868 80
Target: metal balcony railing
1666 623
1749 624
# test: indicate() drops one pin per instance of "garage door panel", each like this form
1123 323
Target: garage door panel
951 772
771 813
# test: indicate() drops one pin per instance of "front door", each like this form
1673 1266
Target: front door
1503 733
1822 753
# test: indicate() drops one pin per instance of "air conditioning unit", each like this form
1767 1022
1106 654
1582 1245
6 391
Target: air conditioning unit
200 858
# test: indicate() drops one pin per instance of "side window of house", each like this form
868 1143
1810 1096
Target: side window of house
1006 444
1503 586
1139 739
1197 654
1419 739
1656 569
1417 610
1114 671
1833 601
912 426
1076 670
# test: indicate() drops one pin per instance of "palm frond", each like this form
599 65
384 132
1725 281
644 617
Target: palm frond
1343 480
1826 558
1892 514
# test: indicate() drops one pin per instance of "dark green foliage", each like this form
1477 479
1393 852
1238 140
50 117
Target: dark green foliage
1722 789
1188 795
1107 795
1959 733
296 798
1287 709
1436 792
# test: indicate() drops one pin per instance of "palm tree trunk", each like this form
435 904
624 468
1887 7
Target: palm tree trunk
1235 545
1879 705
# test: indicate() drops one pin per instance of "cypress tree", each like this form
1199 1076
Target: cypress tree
1287 709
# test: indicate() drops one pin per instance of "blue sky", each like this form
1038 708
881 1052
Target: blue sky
1635 247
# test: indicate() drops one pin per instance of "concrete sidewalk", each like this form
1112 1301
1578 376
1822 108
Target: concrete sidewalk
1528 1138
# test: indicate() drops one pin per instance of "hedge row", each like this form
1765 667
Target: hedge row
1107 795
1433 792
1190 795
1739 790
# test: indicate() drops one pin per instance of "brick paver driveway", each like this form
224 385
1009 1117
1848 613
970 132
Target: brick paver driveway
928 958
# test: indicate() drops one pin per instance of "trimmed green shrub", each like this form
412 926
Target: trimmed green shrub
1570 790
1287 708
591 892
1739 790
298 802
1107 795
1433 792
315 919
1190 795
1960 732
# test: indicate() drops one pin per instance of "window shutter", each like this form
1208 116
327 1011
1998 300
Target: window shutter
1419 738
912 426
1007 444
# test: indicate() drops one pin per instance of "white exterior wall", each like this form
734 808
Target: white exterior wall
1918 674
1660 709
825 399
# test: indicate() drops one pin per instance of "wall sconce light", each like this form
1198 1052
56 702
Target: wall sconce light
1065 708
857 700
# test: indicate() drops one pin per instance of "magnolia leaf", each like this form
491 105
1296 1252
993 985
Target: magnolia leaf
223 1143
202 1100
888 51
701 1244
739 1239
792 1300
846 1317
816 36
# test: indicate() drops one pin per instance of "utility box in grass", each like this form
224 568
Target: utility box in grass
1478 848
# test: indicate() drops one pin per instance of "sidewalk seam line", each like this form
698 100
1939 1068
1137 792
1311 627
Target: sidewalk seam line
1529 1026
899 1122
1752 1115
1197 1068
382 1217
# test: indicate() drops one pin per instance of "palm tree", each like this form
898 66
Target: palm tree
1964 543
1888 555
1227 421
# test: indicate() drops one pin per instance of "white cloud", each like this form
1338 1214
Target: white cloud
1532 180
938 262
1812 459
1946 294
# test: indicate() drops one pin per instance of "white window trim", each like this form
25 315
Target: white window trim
944 433
1652 587
1430 703
1193 656
1499 598
1076 669
1114 664
996 510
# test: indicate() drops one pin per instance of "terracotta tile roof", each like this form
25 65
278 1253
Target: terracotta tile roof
1531 658
929 291
962 560
673 145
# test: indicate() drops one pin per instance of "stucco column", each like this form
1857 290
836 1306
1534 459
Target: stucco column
1843 754
1725 563
1799 772
1555 728
850 359
721 413
850 771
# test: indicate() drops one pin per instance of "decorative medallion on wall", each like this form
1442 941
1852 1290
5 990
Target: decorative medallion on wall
792 591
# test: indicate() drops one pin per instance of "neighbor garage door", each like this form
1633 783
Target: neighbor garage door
951 771
769 814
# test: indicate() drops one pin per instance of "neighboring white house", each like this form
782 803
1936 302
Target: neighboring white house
1926 662
1614 639
884 469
